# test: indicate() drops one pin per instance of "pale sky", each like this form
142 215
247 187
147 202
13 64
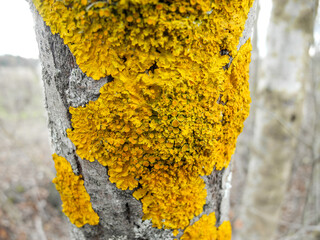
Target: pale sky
17 36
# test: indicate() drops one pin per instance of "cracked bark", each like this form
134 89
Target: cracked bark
120 214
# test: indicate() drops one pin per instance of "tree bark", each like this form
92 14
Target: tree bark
120 213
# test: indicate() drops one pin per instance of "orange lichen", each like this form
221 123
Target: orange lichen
131 130
205 229
75 199
225 231
178 100
108 37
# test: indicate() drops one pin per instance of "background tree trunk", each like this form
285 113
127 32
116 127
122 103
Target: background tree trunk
280 158
120 213
240 158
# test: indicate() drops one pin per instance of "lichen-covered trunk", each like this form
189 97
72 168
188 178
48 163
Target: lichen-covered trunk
279 169
151 137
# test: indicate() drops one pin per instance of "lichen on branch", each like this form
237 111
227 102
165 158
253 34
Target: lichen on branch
108 37
75 199
205 229
158 137
178 98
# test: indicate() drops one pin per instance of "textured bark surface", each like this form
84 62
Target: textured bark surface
120 214
279 167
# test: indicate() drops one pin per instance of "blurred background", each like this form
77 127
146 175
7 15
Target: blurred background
276 167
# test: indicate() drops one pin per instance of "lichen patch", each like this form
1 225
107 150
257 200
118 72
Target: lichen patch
178 98
205 229
76 203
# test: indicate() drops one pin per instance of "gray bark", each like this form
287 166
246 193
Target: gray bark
279 167
120 214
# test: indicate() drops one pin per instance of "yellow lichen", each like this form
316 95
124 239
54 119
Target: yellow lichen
176 105
158 136
75 199
108 37
205 229
224 231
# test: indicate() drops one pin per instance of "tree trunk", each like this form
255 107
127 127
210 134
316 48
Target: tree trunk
311 214
277 171
120 214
